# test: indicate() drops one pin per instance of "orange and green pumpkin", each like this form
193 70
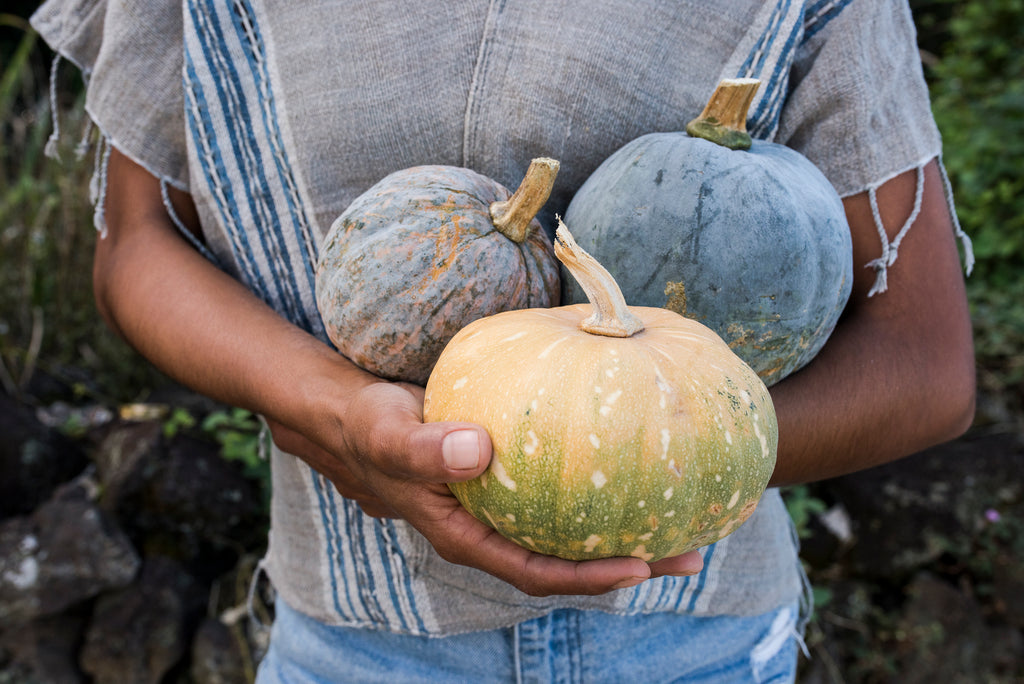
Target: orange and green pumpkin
616 431
746 236
424 252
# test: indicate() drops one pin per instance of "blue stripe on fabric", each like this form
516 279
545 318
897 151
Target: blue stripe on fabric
766 115
330 524
249 159
819 14
701 578
752 66
216 178
384 546
367 586
232 100
252 41
413 611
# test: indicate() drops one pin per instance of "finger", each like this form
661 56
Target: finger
467 541
678 566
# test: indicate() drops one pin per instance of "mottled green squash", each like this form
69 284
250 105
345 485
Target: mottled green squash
616 431
424 252
747 237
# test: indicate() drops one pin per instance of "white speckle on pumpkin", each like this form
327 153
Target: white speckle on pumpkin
613 397
529 540
641 504
511 517
734 500
668 493
641 553
597 390
547 350
533 405
595 441
745 396
460 383
599 479
498 470
670 514
513 338
728 437
605 410
531 446
591 542
764 440
718 478
661 382
674 468
666 438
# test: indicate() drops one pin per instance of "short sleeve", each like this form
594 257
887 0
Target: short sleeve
858 105
131 54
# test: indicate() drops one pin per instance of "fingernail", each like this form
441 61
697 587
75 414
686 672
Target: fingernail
629 582
461 450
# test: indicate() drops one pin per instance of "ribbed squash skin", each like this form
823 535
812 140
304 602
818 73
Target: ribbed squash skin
754 244
414 259
645 446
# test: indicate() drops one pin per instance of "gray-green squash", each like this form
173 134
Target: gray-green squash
746 236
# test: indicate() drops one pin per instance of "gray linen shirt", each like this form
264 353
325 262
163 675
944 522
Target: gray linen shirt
275 115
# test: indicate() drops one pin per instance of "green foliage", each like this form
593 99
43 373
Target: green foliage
978 100
242 439
48 321
974 54
802 505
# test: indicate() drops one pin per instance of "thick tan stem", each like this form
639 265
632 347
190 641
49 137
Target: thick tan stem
512 217
724 119
611 316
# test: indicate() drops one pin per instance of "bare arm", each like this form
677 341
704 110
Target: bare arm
366 435
897 375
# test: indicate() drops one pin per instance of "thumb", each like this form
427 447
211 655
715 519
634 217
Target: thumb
387 421
449 452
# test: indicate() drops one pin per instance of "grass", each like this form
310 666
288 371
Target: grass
51 337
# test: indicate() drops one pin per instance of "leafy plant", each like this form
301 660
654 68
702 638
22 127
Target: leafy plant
977 88
48 322
242 438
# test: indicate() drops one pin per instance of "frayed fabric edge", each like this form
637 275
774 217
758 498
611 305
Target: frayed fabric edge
784 627
890 249
98 182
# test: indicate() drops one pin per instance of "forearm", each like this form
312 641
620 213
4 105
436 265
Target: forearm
897 375
201 326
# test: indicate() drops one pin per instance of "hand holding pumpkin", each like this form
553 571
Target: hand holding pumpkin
395 466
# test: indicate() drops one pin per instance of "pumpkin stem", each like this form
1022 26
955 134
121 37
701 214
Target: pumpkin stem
724 119
512 217
611 316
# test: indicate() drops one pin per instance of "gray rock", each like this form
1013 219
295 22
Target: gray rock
139 633
66 552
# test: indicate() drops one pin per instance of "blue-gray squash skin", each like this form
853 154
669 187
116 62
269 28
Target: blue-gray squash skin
752 243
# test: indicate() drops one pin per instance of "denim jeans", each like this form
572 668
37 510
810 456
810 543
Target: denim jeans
563 646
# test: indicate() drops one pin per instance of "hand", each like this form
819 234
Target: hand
398 467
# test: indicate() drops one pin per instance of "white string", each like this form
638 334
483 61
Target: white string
890 250
180 225
51 150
